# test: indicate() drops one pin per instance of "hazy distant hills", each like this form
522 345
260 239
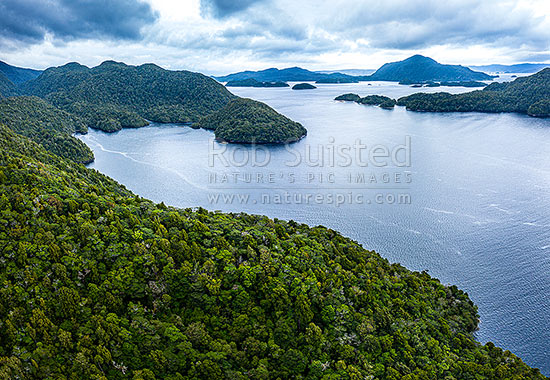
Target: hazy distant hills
515 69
354 72
291 74
18 75
420 69
414 69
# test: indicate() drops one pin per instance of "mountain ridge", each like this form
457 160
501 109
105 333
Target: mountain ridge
419 68
18 75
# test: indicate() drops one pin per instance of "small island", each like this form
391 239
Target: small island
371 100
348 98
247 121
254 83
303 86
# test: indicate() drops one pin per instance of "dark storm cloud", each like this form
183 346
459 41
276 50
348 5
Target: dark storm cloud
223 8
30 20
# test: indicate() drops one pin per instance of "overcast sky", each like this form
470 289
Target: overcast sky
223 36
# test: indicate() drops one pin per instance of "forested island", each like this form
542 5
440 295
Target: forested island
303 86
251 82
99 283
246 120
372 100
71 98
529 95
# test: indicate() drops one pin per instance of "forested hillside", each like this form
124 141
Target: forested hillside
18 74
100 284
530 95
114 95
7 88
46 125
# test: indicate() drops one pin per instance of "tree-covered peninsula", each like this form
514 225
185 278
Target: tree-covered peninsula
529 95
98 283
248 121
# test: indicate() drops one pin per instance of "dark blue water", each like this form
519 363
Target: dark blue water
479 192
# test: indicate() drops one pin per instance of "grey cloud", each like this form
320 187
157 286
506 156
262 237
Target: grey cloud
404 24
224 8
30 20
287 25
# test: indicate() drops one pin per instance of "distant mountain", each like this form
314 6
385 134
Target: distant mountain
7 88
18 75
250 82
519 68
292 74
421 69
529 95
353 72
335 78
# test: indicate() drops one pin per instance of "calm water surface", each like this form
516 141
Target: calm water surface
479 212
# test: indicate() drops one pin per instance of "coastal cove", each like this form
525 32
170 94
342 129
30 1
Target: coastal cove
479 212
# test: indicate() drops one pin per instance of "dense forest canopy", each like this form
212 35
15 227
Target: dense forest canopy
46 125
248 121
7 88
530 95
100 284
